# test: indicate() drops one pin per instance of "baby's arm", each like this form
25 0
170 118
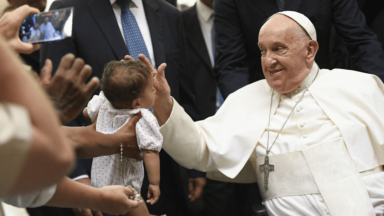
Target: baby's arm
86 116
152 164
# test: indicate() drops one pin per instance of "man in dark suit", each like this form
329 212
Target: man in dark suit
377 27
237 24
200 59
99 37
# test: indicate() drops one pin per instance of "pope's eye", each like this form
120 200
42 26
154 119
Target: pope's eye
278 49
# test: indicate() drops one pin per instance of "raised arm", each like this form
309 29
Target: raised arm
184 144
49 156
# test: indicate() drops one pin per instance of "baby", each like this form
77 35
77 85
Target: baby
126 89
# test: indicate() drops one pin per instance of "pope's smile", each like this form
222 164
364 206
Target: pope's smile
275 71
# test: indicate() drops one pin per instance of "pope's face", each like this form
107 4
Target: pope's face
283 54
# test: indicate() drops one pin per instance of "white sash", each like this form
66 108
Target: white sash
325 168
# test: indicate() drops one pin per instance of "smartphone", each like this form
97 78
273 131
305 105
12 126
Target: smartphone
47 26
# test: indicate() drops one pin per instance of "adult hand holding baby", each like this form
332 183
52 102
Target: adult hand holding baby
128 137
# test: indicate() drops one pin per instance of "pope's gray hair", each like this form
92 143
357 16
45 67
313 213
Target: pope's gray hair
299 30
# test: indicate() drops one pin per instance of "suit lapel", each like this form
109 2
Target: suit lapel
105 18
155 25
195 36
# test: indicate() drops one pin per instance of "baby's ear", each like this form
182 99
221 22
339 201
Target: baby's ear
136 104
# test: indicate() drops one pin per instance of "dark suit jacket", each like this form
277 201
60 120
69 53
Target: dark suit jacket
237 25
377 27
97 39
200 64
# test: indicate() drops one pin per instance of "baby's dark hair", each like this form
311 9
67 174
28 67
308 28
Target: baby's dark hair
124 81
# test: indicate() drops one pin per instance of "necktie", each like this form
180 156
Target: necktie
219 97
280 4
133 38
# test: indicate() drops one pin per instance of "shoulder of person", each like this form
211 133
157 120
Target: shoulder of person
188 11
148 119
169 9
147 115
349 79
260 86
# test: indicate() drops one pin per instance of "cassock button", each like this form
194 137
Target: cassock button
305 136
298 109
302 124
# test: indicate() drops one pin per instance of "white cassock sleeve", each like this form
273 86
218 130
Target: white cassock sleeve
221 144
187 146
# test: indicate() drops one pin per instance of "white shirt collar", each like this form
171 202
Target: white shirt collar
306 82
311 76
134 3
203 11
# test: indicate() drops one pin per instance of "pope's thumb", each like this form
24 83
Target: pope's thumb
161 69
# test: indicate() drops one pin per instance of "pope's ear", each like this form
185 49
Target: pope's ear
313 47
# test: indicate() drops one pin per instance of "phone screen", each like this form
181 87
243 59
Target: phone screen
48 26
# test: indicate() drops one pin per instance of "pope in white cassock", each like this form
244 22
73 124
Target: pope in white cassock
312 138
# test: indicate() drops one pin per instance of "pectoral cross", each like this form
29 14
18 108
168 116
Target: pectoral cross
266 168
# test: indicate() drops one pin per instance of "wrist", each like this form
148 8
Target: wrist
98 198
163 110
155 185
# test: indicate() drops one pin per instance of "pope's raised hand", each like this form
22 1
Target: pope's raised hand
163 102
163 91
159 81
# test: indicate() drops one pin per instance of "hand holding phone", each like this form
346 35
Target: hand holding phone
9 28
48 26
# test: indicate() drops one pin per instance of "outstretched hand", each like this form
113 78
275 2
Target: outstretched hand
159 81
163 101
67 88
10 26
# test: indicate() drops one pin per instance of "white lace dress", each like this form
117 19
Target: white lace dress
109 170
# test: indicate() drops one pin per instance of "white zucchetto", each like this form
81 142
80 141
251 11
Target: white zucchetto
303 21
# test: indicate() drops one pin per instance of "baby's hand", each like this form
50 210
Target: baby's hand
153 193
